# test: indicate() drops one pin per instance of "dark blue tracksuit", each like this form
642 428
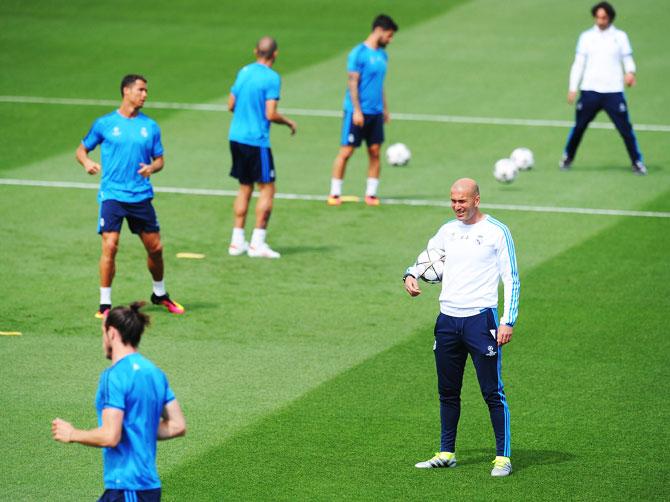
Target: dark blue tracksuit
614 103
455 338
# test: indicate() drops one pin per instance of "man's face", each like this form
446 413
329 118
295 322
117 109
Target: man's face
106 342
385 37
136 93
602 19
464 204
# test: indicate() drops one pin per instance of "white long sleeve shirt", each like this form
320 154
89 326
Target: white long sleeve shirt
600 57
477 257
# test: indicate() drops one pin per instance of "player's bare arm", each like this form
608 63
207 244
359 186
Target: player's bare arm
173 423
352 83
89 164
231 103
147 170
274 116
107 435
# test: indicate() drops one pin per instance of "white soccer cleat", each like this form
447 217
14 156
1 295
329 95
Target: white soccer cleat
441 459
237 250
502 466
262 251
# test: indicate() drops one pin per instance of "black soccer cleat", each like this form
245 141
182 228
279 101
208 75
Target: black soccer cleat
103 311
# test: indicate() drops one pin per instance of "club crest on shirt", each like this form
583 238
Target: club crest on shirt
144 132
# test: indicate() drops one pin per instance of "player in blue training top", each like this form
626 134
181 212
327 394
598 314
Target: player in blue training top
135 406
365 110
131 151
253 102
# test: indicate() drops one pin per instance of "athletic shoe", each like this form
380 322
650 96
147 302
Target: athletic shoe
502 466
103 311
441 459
639 168
235 250
565 163
372 200
173 307
334 200
262 251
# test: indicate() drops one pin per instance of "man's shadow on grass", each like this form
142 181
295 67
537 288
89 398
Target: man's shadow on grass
293 250
521 458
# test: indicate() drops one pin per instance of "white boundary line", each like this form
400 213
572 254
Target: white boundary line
416 117
322 198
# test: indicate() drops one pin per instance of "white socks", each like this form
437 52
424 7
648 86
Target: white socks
159 288
237 238
105 296
336 187
258 238
371 189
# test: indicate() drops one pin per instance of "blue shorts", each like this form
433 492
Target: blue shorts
112 495
372 131
140 215
252 164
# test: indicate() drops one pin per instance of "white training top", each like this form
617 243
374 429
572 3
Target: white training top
477 256
600 56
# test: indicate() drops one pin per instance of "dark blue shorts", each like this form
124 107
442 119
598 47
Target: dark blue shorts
372 131
141 216
252 164
131 495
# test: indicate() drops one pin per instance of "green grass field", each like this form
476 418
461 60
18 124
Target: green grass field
312 377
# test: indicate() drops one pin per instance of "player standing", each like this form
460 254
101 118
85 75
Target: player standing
253 102
365 110
479 253
135 407
602 51
131 152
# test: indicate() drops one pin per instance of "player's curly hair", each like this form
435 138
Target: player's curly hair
607 7
129 322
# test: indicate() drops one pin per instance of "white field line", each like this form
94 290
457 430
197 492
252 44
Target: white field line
322 198
416 117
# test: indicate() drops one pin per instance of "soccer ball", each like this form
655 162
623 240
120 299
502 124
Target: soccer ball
523 158
430 265
398 154
505 171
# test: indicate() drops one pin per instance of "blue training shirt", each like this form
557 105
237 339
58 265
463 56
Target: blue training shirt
139 388
370 64
125 143
255 84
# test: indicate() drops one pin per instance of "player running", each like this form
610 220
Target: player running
253 102
365 110
479 252
131 152
135 406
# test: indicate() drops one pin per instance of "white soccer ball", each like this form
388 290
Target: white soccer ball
523 158
430 265
505 171
398 154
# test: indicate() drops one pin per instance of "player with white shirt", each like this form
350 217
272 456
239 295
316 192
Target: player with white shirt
602 52
479 253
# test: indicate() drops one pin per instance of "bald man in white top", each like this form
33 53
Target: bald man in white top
603 65
479 254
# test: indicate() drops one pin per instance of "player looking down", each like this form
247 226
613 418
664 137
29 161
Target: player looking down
479 252
135 407
365 109
131 151
253 101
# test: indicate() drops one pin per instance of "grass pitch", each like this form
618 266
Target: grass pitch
312 377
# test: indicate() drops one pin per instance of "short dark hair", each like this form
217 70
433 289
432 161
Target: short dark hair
384 22
129 322
129 80
607 7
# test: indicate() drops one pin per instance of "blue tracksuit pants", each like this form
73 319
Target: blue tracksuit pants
455 338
